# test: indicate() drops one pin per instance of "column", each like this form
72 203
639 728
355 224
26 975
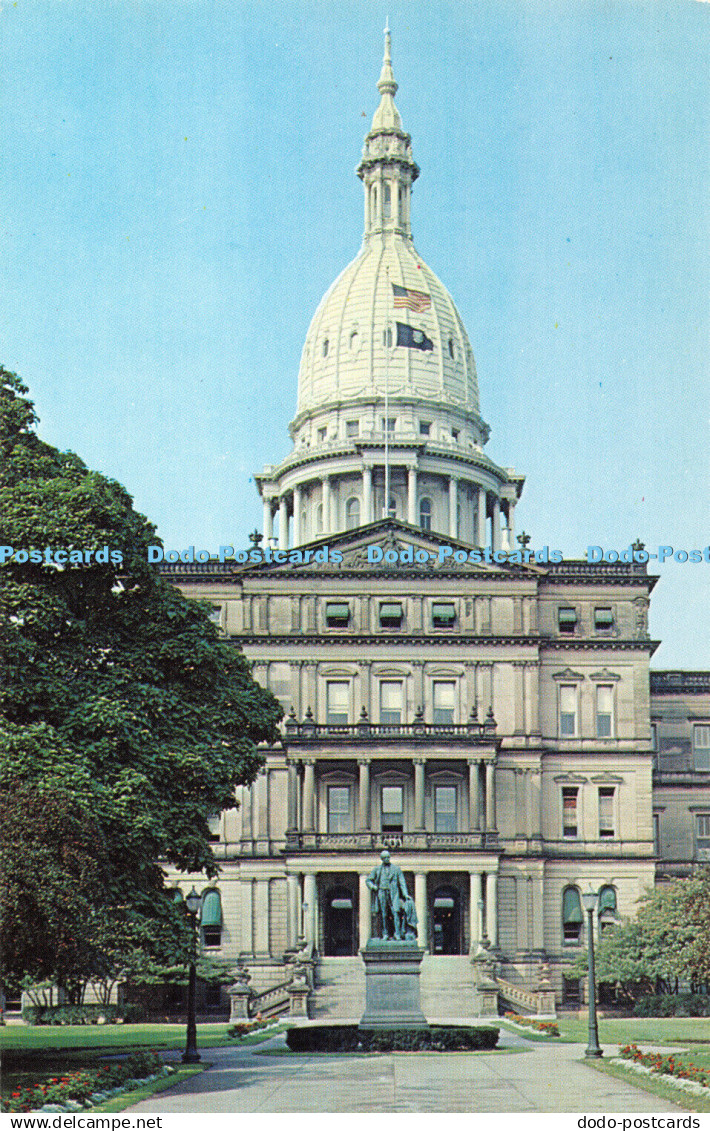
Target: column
297 532
453 500
496 539
308 810
492 908
326 504
474 910
412 496
510 523
419 794
292 898
474 818
292 796
366 495
538 910
364 910
261 917
420 905
246 813
309 907
247 917
268 522
364 808
481 517
283 523
490 797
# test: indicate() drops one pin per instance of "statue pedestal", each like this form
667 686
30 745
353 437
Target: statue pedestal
392 998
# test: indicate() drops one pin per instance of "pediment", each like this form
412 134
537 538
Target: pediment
386 547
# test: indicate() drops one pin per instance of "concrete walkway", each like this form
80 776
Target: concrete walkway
540 1078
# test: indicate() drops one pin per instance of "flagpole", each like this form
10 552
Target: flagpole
386 508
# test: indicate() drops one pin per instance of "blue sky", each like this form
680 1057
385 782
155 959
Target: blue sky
178 192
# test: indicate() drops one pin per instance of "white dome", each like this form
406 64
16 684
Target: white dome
344 357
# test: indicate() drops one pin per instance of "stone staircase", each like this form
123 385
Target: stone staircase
447 988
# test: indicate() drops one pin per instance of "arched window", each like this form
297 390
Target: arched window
319 519
326 346
352 514
425 513
387 337
572 917
211 918
606 908
387 210
452 348
354 341
304 525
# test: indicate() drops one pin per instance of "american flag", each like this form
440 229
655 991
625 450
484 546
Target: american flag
417 301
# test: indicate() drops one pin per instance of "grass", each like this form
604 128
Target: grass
31 1053
654 1085
692 1033
108 1038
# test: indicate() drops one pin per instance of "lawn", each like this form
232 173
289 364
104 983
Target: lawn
692 1033
31 1053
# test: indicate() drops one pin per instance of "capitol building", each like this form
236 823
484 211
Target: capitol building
493 723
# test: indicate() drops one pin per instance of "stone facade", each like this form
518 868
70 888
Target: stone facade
488 721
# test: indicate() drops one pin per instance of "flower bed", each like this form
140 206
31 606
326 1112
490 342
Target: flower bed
548 1028
87 1086
243 1028
664 1064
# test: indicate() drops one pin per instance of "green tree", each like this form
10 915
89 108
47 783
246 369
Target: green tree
668 941
123 715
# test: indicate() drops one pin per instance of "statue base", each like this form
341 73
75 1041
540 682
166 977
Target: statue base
392 994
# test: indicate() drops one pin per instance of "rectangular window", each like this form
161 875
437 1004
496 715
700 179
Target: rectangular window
390 702
606 811
213 825
701 747
702 829
568 710
338 703
216 614
567 620
443 614
603 619
570 797
454 434
444 701
392 809
656 835
322 433
605 711
339 809
445 808
212 936
424 428
337 614
352 428
391 615
388 424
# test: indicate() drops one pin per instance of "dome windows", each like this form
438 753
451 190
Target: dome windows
452 348
425 513
387 202
387 337
352 513
326 346
354 340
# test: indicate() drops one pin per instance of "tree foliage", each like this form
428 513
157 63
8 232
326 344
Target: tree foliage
667 942
125 721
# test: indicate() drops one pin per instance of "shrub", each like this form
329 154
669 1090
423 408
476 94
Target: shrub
673 1005
349 1038
71 1014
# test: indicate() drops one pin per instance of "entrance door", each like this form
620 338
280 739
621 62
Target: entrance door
339 923
446 922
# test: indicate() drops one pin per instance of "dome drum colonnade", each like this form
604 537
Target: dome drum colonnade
388 333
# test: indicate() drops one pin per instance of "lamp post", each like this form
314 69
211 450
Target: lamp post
589 900
191 1055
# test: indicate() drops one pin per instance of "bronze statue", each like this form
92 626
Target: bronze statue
389 896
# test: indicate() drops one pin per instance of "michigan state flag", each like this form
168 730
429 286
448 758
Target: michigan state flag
413 339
